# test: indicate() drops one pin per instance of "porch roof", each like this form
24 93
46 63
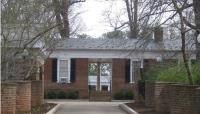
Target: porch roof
124 44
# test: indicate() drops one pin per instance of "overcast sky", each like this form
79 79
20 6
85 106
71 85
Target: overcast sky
93 18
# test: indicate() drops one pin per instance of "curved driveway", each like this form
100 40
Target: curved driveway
90 108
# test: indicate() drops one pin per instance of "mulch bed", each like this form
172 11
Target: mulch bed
141 108
42 109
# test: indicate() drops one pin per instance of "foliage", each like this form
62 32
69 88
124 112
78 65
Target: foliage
141 88
83 36
33 27
114 34
119 95
179 74
151 71
174 73
61 95
72 94
124 94
54 94
51 95
128 94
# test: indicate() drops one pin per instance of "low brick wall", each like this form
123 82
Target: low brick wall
172 98
157 94
37 93
8 98
185 99
162 97
23 96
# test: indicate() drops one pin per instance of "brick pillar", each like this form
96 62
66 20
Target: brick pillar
8 98
118 75
149 93
82 77
47 74
37 93
137 77
23 98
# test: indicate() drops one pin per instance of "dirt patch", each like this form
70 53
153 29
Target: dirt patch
42 109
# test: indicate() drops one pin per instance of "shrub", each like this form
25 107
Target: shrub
128 94
141 87
51 95
72 94
119 95
179 74
172 72
124 94
61 95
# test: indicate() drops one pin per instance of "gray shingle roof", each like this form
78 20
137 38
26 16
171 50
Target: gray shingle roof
123 44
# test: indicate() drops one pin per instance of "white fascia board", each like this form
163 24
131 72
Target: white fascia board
114 54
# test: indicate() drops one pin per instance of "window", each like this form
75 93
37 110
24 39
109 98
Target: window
105 69
63 71
135 69
93 71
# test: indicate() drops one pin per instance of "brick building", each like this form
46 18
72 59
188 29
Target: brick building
105 65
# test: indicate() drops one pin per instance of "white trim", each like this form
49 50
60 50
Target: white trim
131 69
58 70
142 63
114 54
69 70
131 72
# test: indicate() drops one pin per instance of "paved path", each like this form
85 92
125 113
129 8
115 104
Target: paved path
90 108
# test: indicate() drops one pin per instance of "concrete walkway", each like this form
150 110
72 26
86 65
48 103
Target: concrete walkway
85 107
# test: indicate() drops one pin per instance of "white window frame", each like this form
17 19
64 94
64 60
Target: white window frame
58 69
131 68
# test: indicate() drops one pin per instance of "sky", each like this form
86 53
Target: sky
93 18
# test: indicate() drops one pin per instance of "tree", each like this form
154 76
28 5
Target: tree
175 12
83 36
29 34
132 10
61 10
25 24
142 17
115 34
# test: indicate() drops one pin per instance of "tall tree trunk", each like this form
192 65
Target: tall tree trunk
61 13
132 11
197 22
65 14
130 18
61 9
185 55
183 48
135 23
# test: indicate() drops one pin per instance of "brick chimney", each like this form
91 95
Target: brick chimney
158 34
